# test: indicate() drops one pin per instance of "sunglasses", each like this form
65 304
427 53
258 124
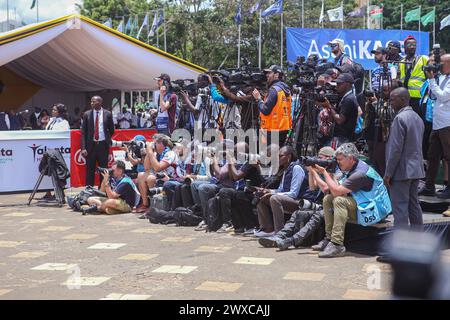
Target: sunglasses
333 45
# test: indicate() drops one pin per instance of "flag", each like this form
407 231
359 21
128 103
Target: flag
255 8
358 12
322 13
238 16
376 12
108 23
413 15
336 14
275 8
161 19
33 4
144 24
154 25
134 25
120 26
429 17
445 22
128 26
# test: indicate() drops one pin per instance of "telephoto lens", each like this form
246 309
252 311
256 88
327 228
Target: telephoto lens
308 205
154 191
188 181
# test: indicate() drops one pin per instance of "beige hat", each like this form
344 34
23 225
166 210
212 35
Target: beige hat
326 151
339 42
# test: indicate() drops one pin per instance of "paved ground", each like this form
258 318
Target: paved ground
54 253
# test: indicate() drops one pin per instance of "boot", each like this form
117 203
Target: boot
89 210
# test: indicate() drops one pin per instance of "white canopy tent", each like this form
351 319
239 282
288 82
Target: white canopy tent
76 54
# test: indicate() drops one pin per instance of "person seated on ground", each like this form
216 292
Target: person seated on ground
159 164
203 190
275 204
121 193
359 196
239 171
303 222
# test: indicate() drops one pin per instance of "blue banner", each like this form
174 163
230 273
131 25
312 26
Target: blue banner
358 43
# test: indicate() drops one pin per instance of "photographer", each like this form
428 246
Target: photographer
304 222
337 49
167 105
359 196
134 155
440 136
159 164
121 193
238 172
274 204
345 115
411 72
276 109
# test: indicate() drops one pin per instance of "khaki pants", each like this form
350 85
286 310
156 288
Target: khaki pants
120 207
337 211
271 211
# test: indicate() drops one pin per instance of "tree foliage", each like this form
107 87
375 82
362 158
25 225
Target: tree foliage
204 32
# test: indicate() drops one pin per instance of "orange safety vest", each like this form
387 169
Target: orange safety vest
280 119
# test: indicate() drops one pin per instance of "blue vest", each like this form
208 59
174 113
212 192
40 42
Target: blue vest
127 179
374 205
304 192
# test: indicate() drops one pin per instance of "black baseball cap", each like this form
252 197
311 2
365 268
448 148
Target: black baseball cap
381 50
274 68
345 77
163 76
395 44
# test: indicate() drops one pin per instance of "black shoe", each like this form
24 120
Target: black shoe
89 210
270 242
427 192
239 231
284 244
445 194
384 259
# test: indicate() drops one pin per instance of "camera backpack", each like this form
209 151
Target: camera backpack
186 217
214 216
81 199
158 216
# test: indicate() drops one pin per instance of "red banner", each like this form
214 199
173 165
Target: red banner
78 162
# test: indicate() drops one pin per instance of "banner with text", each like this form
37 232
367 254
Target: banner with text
358 43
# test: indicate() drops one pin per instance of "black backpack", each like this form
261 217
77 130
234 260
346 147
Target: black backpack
214 216
186 217
81 199
159 216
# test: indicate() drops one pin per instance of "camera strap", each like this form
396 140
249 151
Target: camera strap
409 69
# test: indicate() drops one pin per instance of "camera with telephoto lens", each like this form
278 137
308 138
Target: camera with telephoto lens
253 190
155 191
101 170
330 165
436 66
187 85
327 91
308 205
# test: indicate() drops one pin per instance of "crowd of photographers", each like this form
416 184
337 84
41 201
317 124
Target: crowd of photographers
324 113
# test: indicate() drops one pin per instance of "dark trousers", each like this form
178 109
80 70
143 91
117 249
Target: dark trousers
302 227
405 203
439 146
415 104
226 196
242 213
377 155
98 154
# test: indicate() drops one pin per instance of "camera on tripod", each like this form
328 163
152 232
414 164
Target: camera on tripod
327 91
186 85
436 66
330 165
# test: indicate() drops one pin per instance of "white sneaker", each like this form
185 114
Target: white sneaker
263 234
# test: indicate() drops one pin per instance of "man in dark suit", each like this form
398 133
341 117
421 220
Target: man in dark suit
404 161
96 133
34 118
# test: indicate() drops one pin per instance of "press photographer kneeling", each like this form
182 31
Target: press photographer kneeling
359 196
121 193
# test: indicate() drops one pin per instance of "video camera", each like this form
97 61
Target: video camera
436 66
327 91
238 79
187 85
330 165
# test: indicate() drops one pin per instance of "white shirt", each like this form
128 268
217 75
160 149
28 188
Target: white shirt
58 124
134 120
122 120
441 111
101 131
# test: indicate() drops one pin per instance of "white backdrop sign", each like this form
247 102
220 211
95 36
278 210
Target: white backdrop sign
20 155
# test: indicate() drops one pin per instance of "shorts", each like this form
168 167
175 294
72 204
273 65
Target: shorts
121 206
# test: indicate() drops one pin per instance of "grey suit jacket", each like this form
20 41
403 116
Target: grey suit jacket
404 159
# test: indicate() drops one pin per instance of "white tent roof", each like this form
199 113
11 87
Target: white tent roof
75 53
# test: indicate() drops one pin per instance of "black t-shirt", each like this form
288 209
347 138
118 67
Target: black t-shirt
127 193
348 107
252 173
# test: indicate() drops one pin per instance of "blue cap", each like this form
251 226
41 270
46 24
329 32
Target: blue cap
139 138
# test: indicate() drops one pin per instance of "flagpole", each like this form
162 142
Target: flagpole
239 46
420 13
342 6
303 14
260 39
157 31
368 14
401 16
148 30
282 43
37 10
434 26
165 34
7 15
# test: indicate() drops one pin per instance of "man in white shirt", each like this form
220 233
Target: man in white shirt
440 136
124 119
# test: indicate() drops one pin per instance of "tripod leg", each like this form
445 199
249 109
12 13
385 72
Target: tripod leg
38 183
57 189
